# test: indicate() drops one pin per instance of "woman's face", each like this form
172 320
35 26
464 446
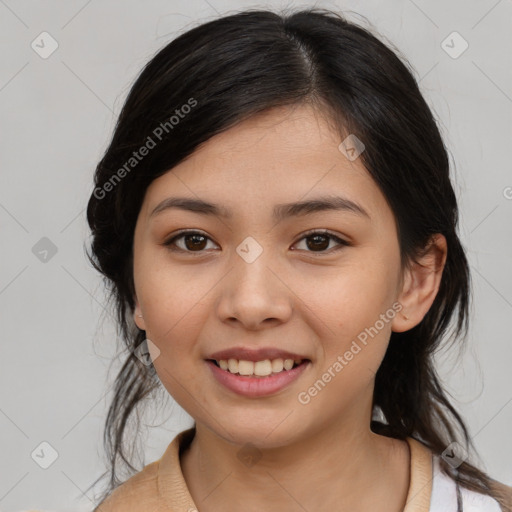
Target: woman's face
252 280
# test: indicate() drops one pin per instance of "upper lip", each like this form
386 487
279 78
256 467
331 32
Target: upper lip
251 354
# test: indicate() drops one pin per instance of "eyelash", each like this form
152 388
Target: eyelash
308 234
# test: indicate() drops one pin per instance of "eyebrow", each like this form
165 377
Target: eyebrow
281 211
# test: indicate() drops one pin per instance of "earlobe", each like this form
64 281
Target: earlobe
138 318
421 284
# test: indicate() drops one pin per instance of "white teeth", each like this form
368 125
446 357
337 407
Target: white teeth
245 367
233 365
288 364
277 365
263 368
258 368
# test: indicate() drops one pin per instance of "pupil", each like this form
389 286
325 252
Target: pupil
195 244
322 245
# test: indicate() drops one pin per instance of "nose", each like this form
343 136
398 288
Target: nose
254 294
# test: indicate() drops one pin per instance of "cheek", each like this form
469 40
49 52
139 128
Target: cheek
174 326
171 300
349 297
173 314
345 310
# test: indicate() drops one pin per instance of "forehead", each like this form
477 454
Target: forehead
279 156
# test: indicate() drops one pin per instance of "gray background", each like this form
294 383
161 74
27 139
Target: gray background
57 115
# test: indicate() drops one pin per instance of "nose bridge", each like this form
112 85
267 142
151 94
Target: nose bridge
252 268
253 291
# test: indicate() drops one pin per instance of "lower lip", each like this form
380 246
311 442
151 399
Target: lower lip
257 386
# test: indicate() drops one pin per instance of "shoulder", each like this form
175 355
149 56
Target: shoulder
444 495
160 485
140 489
475 502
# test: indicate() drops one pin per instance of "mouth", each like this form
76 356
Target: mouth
241 376
257 369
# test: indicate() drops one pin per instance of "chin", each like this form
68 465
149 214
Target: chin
264 433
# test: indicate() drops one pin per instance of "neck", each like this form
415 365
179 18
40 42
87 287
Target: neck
338 467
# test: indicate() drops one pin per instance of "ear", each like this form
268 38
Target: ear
420 284
137 316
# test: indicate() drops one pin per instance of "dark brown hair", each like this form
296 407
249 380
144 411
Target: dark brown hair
239 65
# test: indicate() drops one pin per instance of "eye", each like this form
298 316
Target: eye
195 241
192 240
321 240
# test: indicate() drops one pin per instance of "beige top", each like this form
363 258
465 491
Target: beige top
161 487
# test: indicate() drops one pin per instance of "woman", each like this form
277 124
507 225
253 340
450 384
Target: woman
275 218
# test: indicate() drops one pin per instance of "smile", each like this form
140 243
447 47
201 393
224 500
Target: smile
257 368
259 378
